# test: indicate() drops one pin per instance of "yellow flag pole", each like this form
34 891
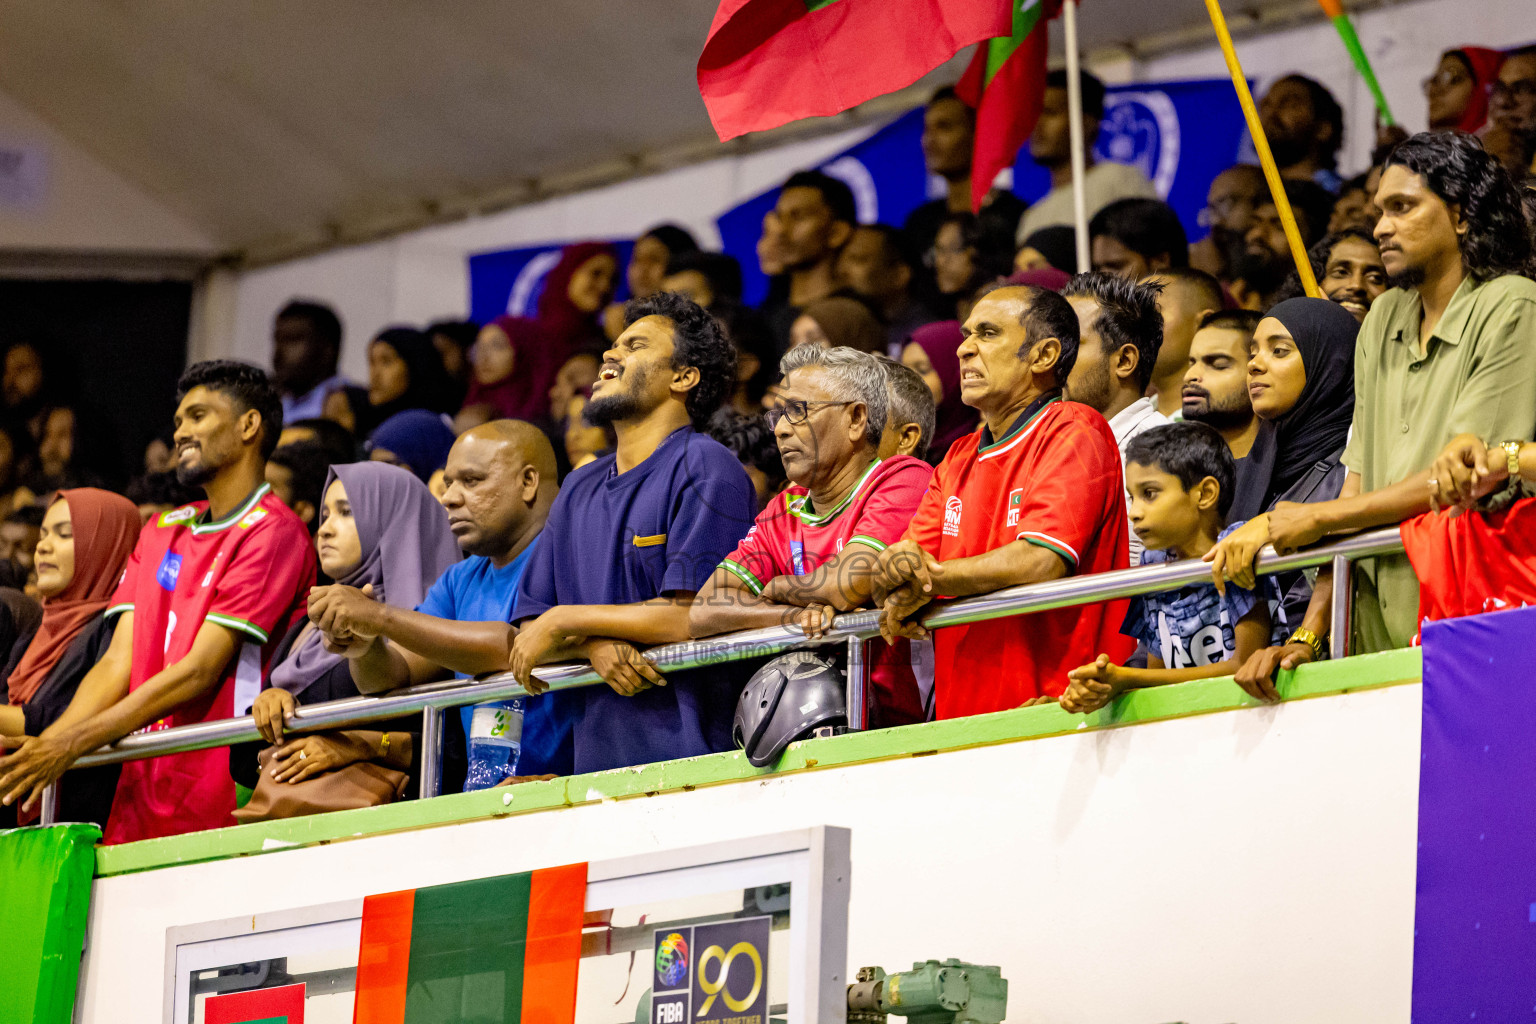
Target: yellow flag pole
1266 158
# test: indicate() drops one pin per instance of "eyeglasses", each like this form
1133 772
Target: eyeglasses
796 410
1443 80
1524 89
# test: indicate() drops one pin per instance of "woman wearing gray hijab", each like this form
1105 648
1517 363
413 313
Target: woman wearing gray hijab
380 528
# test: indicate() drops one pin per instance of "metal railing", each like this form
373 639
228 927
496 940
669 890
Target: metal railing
852 628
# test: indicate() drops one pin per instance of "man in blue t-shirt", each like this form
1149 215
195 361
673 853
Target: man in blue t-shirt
501 485
633 536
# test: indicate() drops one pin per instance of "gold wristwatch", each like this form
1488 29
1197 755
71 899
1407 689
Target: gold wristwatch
1304 635
1512 453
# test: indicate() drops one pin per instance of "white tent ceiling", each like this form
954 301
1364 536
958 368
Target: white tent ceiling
280 125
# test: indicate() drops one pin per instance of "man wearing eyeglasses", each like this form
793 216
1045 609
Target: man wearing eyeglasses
1033 496
1512 111
633 536
815 549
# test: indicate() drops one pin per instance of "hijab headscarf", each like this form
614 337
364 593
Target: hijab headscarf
847 322
1484 65
429 386
542 344
418 438
953 419
406 545
105 527
1316 427
565 326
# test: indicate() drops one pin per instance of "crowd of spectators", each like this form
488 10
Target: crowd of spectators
916 413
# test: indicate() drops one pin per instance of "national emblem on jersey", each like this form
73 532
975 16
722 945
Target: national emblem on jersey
952 516
252 517
1015 499
185 514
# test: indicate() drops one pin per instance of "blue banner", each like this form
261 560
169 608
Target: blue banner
1474 947
512 280
1181 135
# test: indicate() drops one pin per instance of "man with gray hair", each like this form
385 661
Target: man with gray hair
909 424
814 550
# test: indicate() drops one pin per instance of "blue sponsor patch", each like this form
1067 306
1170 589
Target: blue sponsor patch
170 569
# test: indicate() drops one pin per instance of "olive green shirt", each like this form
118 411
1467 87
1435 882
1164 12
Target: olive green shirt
1476 375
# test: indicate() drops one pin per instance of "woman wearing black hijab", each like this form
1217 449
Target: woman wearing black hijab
404 372
1301 381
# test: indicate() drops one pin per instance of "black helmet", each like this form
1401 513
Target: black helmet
783 701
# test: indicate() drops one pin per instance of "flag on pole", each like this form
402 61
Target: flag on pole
1005 83
770 62
445 940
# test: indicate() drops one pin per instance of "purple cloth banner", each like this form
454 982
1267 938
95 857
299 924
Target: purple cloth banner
1474 948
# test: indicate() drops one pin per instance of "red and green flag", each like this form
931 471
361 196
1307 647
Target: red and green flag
769 62
1005 83
504 948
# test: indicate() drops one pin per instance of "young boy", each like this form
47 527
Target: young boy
1180 478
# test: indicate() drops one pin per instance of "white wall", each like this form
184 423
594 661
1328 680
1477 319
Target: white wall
1253 865
80 204
423 275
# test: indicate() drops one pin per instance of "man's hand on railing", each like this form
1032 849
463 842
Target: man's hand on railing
1257 674
536 643
271 711
34 763
623 667
349 618
903 563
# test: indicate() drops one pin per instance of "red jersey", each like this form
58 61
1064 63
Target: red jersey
1053 480
1473 562
250 571
789 538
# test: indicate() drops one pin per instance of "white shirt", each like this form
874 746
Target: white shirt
1140 415
1103 184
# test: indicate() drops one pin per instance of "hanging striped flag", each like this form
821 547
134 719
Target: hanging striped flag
1005 84
769 62
504 948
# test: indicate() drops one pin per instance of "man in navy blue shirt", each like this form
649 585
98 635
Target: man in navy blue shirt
634 535
500 481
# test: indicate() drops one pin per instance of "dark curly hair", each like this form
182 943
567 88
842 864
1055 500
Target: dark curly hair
247 386
698 341
1456 168
1128 315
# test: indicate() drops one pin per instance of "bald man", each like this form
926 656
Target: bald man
500 481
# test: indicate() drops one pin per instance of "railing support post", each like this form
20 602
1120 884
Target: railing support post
1343 595
431 752
48 813
858 685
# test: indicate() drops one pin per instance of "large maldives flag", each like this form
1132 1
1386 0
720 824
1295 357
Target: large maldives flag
504 948
770 62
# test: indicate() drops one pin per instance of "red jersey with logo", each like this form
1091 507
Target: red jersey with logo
1473 562
250 571
1053 480
790 538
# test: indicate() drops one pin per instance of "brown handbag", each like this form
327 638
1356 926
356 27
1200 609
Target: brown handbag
362 784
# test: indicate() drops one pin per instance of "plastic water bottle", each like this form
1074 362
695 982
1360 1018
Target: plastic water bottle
495 743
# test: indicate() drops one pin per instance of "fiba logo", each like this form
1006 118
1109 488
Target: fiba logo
672 960
1142 129
952 517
